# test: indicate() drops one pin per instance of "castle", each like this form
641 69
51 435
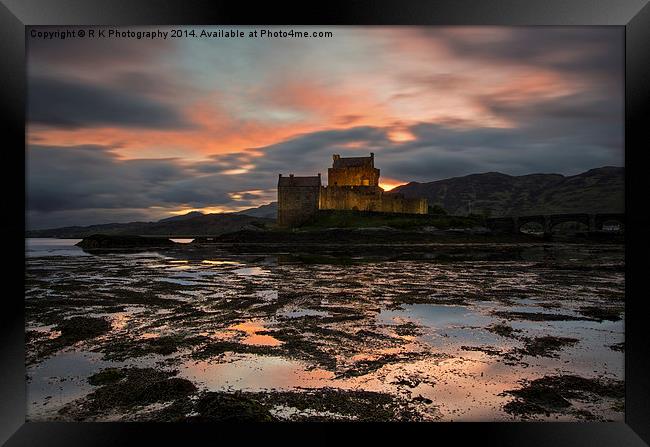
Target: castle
353 184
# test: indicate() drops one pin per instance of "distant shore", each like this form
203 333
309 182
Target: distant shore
341 242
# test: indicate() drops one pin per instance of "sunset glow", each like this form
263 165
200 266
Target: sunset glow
389 184
171 126
401 136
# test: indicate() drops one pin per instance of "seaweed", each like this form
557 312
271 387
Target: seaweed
545 346
553 394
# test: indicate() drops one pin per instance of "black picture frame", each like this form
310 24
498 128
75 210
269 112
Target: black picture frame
634 15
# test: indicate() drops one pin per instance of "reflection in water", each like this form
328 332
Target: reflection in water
250 271
453 336
41 247
59 380
219 262
433 315
251 329
253 373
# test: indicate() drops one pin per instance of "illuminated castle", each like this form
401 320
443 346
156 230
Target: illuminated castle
353 184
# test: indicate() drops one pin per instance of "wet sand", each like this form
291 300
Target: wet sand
455 333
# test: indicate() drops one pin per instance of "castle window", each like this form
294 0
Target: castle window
365 182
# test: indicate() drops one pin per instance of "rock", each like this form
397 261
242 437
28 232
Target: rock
122 241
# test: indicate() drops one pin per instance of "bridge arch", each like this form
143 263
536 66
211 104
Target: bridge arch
585 220
531 227
590 222
557 219
524 223
610 222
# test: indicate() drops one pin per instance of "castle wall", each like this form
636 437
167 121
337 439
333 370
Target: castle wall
353 185
296 204
353 176
397 203
360 198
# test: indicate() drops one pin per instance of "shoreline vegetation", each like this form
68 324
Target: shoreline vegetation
386 243
344 228
335 241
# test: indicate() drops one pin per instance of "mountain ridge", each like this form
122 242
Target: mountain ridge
197 225
598 190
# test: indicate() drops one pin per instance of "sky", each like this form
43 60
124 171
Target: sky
125 129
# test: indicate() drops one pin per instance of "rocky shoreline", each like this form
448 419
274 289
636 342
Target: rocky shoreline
339 240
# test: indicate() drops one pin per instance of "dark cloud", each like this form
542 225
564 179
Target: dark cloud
83 185
160 84
596 53
565 135
90 177
304 154
224 162
74 104
91 54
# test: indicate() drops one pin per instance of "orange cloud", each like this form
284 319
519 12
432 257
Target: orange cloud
411 78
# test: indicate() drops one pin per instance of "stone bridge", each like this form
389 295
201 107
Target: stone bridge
594 222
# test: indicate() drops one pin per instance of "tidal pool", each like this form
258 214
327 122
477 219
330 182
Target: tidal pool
200 332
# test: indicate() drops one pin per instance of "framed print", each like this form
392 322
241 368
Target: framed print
374 217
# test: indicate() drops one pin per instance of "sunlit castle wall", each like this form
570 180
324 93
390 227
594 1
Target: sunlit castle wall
353 171
358 198
369 198
397 203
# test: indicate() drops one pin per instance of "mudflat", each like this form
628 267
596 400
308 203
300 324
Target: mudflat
489 332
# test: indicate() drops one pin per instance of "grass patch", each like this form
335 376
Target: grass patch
369 219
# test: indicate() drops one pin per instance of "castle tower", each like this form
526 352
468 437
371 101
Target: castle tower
298 199
353 171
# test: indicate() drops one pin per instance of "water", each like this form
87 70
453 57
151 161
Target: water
39 247
414 329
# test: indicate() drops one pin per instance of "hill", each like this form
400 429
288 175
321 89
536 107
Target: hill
600 190
269 211
190 215
195 225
